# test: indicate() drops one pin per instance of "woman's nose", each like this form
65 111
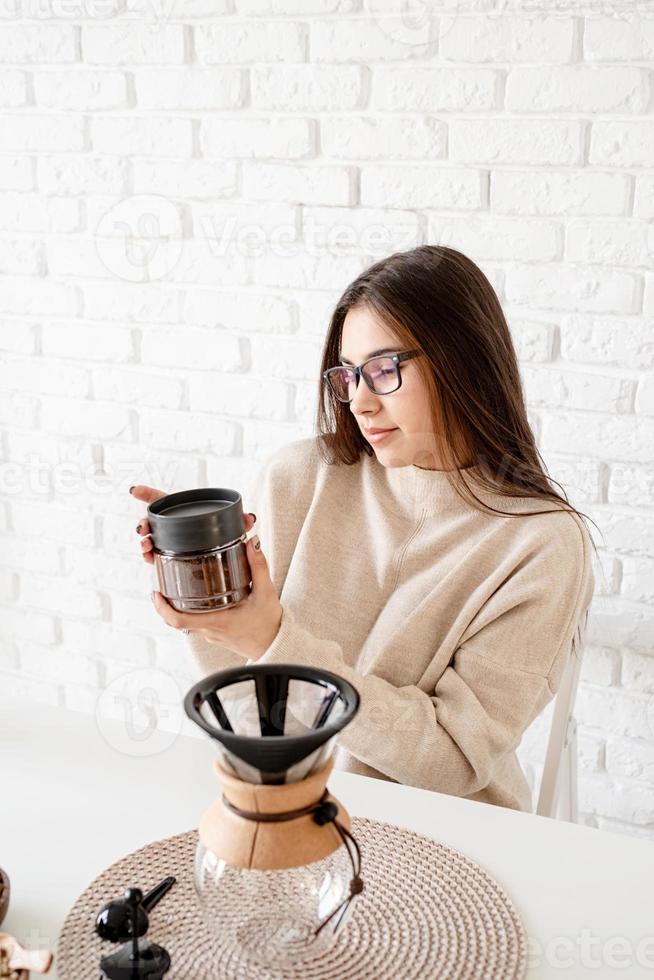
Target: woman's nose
362 396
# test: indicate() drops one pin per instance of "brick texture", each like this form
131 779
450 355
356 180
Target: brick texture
181 204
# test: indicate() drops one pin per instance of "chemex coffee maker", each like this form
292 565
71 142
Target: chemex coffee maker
276 867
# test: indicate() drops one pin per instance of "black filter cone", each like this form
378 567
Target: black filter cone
274 723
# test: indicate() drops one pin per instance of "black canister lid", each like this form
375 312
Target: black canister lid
196 520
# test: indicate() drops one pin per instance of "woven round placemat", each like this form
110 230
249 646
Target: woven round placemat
427 911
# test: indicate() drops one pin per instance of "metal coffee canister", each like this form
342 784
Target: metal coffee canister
199 546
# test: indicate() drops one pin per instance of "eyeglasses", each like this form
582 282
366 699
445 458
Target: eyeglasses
381 374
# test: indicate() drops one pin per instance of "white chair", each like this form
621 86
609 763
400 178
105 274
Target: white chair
557 796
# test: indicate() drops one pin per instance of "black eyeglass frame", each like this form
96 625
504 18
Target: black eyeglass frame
358 372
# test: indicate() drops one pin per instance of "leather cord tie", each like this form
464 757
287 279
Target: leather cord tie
324 811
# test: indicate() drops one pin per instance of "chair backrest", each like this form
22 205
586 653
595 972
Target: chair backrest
562 722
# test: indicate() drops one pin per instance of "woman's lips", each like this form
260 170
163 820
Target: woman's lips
378 436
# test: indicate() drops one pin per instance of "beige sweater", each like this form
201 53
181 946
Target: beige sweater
453 625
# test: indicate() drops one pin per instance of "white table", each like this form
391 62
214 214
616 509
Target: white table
72 804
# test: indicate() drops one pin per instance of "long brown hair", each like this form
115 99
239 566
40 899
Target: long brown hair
436 299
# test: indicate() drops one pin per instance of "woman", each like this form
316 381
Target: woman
433 565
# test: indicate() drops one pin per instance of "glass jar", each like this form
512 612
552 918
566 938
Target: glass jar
201 581
199 549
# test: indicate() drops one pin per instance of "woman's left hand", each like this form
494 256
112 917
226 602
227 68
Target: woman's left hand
249 627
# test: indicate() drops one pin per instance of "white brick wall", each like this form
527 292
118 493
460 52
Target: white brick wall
186 188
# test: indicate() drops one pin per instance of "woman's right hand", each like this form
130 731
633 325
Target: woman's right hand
148 495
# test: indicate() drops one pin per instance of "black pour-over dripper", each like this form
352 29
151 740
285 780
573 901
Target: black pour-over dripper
269 718
139 958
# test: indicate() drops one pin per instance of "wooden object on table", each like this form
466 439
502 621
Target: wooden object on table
4 894
20 960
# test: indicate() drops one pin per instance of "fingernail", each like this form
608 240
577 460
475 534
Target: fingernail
138 527
131 488
253 515
256 543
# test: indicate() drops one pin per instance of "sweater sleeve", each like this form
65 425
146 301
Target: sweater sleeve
449 735
209 657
